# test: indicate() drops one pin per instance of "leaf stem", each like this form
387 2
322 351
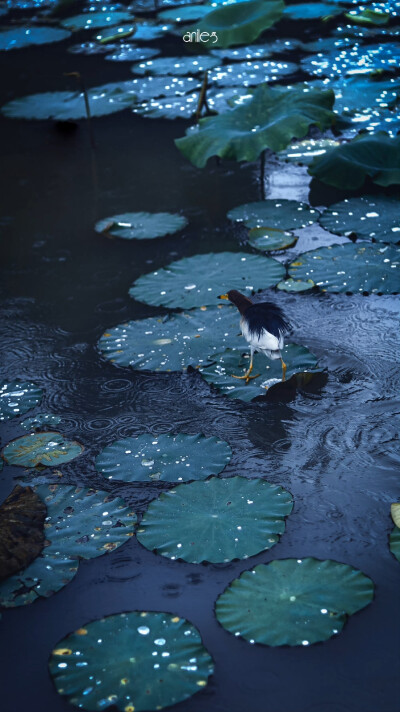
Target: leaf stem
82 87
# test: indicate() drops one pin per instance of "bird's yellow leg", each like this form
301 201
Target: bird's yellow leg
247 376
283 369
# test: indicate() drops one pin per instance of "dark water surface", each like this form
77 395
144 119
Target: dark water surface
335 449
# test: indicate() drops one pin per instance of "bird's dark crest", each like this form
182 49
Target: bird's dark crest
265 315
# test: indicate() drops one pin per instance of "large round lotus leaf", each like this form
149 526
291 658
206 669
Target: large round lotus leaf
249 74
266 239
39 420
152 87
352 267
44 577
395 542
48 449
170 458
66 105
22 517
271 119
355 59
293 602
199 280
372 217
25 36
17 397
133 661
91 20
178 66
348 165
304 152
131 53
277 214
240 23
358 93
159 344
217 520
141 226
185 13
312 11
230 363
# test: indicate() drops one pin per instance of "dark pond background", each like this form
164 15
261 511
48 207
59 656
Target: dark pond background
335 448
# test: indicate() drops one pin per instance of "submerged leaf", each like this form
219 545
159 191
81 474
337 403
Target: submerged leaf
368 217
266 239
47 449
22 517
295 285
141 226
240 23
17 397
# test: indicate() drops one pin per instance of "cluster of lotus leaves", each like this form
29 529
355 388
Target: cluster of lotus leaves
168 458
368 217
216 520
48 449
141 226
17 397
81 523
134 661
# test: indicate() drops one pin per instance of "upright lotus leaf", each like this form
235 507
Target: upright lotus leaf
133 661
395 513
159 344
47 449
141 226
249 74
22 517
17 397
373 217
352 267
240 23
267 239
169 458
176 65
348 165
293 601
230 363
91 20
279 214
39 420
313 11
199 280
25 36
217 520
271 119
355 59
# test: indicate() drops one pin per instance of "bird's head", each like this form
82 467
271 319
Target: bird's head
238 299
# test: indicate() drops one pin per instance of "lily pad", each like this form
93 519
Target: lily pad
47 449
184 13
277 214
295 285
169 458
357 59
183 107
44 577
141 226
160 344
39 420
368 16
177 66
24 36
132 661
312 11
395 542
271 119
373 217
154 87
230 363
217 520
352 267
131 53
249 74
144 31
395 513
304 152
22 517
240 23
266 239
356 94
17 397
199 280
293 601
91 20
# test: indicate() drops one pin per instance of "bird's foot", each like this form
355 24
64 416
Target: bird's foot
246 377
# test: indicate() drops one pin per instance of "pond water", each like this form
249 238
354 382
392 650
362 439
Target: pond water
335 448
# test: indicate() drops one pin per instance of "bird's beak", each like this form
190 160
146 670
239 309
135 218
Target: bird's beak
223 296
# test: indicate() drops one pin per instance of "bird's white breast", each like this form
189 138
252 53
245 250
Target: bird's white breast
264 342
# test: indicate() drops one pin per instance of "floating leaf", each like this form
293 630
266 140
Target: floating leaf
17 397
373 217
22 517
153 87
295 285
177 66
348 165
304 152
293 602
395 513
240 23
199 280
184 13
24 36
356 94
169 458
217 520
47 449
249 74
271 119
141 226
312 11
360 267
144 31
39 420
395 542
132 661
131 53
91 20
184 107
368 16
230 363
357 59
277 214
266 239
44 577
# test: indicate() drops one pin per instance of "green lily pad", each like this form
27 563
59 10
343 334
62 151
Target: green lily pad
395 542
159 344
47 449
169 458
131 53
141 226
312 11
238 54
17 397
154 87
217 520
352 267
271 119
22 517
185 13
230 363
66 105
348 165
199 280
39 420
25 36
293 602
304 152
183 107
144 31
133 661
266 239
277 214
375 121
240 23
353 60
373 217
107 36
355 94
178 66
91 20
295 285
249 74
